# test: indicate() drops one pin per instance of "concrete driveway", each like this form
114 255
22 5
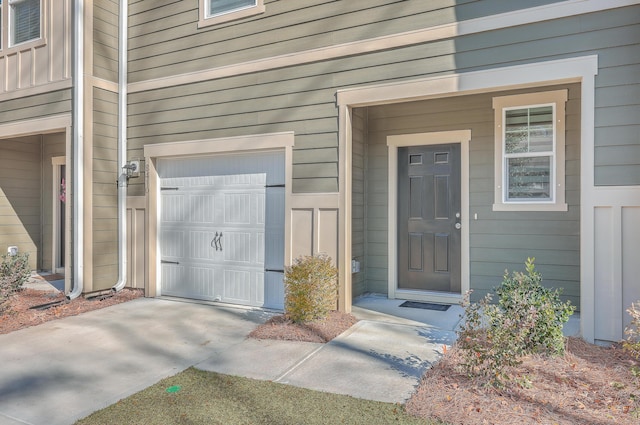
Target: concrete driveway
66 369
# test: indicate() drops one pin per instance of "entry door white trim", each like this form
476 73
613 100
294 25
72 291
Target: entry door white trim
462 137
56 163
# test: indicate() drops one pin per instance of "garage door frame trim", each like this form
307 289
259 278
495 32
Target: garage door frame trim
239 144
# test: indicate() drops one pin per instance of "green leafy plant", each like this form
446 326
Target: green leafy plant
528 318
311 288
632 343
14 272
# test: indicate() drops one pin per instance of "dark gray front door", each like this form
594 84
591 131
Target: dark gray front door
429 218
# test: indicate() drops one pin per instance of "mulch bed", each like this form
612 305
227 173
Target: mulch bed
588 385
20 315
281 328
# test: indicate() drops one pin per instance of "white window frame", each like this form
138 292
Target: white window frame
7 45
207 19
501 105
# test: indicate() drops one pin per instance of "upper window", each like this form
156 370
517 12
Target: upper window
23 23
217 11
530 152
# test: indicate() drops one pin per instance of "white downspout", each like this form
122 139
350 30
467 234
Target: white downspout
122 148
78 149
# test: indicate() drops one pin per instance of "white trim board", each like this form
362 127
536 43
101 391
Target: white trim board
579 69
462 137
440 32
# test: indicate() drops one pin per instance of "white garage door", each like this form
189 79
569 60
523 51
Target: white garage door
222 228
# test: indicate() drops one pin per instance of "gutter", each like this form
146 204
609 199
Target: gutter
122 148
78 149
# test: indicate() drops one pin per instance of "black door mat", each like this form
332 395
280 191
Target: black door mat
425 306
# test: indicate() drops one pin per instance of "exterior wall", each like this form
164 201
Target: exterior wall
285 27
104 173
20 210
498 240
105 39
22 182
280 71
302 98
28 68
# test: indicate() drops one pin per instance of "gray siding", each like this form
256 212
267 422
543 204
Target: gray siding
105 39
20 207
498 240
37 106
105 174
302 98
164 39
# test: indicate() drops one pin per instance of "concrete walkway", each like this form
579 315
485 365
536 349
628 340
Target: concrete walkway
64 370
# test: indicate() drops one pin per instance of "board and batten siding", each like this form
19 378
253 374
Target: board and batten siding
43 61
498 240
104 199
105 39
302 98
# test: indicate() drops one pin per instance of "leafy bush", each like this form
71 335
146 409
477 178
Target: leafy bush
632 343
527 319
14 272
311 288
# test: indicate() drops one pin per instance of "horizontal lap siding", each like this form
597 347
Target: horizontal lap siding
20 204
164 39
105 39
37 106
105 174
498 240
302 98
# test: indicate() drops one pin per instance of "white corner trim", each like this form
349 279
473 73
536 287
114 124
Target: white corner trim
462 137
440 32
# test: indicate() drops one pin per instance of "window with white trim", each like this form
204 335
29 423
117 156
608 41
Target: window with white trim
218 11
23 23
529 152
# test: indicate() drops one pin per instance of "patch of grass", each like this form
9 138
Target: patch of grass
198 397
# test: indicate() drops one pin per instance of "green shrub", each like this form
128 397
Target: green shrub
14 272
528 319
632 331
311 286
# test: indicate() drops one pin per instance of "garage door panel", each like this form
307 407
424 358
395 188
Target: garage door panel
200 245
173 208
202 208
237 286
222 227
172 243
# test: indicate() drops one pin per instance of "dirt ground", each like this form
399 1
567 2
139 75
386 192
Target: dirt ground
588 385
279 327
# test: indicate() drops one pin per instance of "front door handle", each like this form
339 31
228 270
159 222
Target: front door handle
458 226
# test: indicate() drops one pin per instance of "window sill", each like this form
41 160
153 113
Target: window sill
27 45
531 207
